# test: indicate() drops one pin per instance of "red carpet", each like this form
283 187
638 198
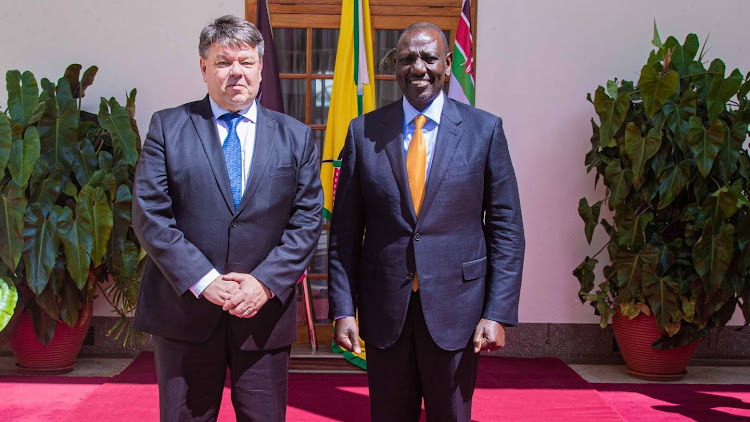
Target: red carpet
679 402
512 389
516 389
41 398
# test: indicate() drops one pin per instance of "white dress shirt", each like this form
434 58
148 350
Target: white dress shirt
246 133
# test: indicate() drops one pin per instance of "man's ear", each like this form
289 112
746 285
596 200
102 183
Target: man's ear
202 63
448 62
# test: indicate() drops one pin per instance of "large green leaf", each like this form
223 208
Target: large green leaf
585 275
121 223
49 298
51 186
105 179
115 119
12 209
58 127
712 255
85 162
8 299
619 182
722 204
611 115
721 90
78 242
99 213
41 246
683 55
130 108
23 95
6 141
590 216
705 143
678 116
631 228
729 155
44 324
23 155
673 184
656 88
70 295
640 149
631 267
78 87
663 298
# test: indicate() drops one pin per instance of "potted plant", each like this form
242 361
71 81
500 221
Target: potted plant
65 202
669 151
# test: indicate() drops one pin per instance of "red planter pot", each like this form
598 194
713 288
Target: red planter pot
59 356
635 338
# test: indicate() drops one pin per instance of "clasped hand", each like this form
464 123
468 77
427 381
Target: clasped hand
242 295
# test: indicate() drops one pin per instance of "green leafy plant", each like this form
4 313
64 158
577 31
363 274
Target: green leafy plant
65 202
669 151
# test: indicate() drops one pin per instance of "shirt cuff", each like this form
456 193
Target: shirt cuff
201 285
336 318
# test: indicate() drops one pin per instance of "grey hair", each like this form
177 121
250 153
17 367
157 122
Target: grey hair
425 26
230 31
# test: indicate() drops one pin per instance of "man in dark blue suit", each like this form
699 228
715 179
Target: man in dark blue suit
426 240
227 203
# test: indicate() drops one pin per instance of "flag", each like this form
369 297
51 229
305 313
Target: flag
462 84
352 95
269 92
353 92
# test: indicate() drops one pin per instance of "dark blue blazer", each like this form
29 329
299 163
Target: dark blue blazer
184 217
467 245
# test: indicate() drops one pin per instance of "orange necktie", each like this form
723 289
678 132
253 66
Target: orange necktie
416 169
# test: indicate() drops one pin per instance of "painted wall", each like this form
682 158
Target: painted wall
537 60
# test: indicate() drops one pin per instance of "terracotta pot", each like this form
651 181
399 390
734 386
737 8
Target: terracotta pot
59 356
635 338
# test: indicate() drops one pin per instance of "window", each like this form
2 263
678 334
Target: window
306 37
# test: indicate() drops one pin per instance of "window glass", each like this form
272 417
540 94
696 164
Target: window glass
324 44
293 92
290 49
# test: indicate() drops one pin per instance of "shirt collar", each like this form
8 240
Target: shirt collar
432 112
250 113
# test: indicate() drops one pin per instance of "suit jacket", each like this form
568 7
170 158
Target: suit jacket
466 246
184 216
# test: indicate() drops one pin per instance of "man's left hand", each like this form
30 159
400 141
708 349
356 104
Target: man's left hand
488 336
252 296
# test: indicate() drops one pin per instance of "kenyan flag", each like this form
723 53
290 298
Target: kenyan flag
462 70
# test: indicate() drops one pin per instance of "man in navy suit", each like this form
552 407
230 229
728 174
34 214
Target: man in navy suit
227 203
426 240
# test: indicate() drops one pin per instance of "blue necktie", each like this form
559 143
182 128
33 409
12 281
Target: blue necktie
233 156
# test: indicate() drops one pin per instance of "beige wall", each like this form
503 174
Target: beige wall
537 60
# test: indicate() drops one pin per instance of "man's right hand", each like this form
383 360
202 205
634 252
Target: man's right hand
220 291
347 334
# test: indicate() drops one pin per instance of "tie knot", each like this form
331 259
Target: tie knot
419 121
230 119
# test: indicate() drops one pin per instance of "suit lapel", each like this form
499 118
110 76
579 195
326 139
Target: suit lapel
205 126
392 134
449 133
265 137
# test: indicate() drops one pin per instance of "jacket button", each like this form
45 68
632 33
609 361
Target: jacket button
234 223
416 236
410 276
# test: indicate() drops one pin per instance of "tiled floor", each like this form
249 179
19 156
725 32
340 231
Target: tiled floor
695 374
107 367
